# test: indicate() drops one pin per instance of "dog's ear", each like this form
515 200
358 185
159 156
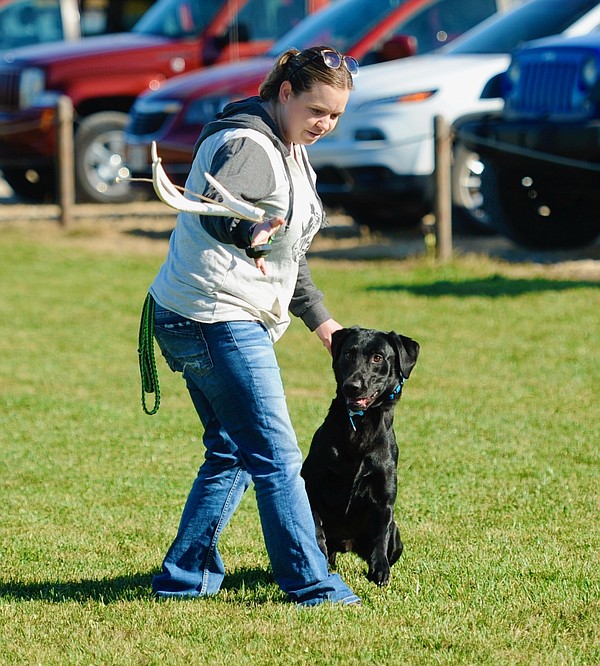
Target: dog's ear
337 340
407 350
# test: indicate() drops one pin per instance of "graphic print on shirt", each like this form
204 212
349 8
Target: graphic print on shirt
309 229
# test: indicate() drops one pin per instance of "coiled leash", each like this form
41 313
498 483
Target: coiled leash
148 372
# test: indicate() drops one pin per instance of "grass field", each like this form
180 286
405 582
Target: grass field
498 475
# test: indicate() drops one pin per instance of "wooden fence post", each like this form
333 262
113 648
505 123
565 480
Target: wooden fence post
66 170
443 189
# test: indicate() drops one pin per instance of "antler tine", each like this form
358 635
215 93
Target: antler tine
169 194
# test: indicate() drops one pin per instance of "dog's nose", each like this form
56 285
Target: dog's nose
352 388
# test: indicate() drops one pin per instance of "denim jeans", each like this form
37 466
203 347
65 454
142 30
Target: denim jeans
234 381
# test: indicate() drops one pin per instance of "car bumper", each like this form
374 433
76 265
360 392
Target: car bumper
532 140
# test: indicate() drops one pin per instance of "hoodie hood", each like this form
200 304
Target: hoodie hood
244 114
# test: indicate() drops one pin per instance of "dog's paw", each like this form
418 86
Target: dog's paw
380 576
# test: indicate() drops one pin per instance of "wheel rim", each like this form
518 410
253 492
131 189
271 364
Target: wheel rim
469 187
103 162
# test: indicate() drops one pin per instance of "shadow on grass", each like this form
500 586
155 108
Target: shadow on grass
494 286
120 588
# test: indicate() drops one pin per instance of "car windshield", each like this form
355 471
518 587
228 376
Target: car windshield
178 18
340 25
540 18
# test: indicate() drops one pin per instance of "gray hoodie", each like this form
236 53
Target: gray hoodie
207 276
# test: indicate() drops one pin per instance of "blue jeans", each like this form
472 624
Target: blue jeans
234 381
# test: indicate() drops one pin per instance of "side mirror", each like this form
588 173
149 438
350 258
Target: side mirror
400 46
214 46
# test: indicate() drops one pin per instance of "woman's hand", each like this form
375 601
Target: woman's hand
262 233
326 330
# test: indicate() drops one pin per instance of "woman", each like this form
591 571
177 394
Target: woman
221 301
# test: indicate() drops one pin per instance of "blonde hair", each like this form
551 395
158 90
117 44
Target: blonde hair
303 69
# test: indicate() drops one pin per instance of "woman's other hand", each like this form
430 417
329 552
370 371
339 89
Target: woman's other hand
326 330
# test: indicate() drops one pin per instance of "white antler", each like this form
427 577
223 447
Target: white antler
170 194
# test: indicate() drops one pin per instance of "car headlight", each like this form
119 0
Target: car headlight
148 116
404 98
589 72
204 109
510 82
150 107
32 84
513 75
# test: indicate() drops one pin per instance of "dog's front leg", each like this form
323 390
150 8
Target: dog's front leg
379 565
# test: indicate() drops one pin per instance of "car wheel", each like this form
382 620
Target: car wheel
541 210
468 211
32 186
99 159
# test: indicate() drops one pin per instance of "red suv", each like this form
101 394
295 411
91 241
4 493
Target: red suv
369 30
103 76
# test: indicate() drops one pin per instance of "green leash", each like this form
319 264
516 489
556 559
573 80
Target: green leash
148 373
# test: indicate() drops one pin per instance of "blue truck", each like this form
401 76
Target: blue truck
541 153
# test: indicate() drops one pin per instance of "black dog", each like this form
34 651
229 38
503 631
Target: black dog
350 471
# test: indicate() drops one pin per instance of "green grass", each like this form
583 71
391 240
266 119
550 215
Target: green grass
498 475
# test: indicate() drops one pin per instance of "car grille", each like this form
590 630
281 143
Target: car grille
9 89
141 124
546 88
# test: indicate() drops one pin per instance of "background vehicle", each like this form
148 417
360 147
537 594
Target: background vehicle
25 22
103 75
369 30
378 163
541 154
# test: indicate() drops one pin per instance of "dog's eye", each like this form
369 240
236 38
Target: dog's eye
377 358
349 355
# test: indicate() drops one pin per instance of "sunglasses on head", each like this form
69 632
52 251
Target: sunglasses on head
332 59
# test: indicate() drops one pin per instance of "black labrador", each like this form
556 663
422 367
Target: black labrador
351 468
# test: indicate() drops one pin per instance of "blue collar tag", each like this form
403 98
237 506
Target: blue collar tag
352 414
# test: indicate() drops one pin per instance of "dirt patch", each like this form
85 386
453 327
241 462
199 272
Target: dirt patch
146 228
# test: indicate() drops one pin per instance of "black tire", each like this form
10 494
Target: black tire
99 159
540 208
469 215
30 185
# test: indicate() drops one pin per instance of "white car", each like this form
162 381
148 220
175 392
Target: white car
378 163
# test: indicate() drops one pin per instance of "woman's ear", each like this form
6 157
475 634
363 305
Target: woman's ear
285 90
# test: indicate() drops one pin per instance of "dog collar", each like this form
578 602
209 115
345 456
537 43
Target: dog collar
395 394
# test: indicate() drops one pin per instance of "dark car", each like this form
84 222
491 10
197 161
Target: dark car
541 153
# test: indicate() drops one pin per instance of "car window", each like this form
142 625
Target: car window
530 21
108 16
441 22
30 22
268 19
178 18
339 25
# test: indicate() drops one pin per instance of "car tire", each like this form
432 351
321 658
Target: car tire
32 186
468 209
540 210
99 159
